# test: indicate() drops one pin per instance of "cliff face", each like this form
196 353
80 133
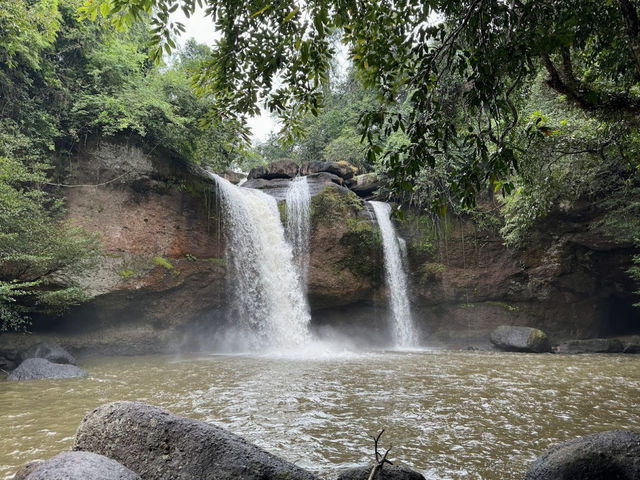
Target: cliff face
569 280
160 284
162 269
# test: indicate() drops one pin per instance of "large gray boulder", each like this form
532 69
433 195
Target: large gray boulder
342 169
365 185
591 345
520 339
49 351
76 466
278 169
159 445
613 455
39 368
388 472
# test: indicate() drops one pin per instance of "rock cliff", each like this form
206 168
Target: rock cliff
160 283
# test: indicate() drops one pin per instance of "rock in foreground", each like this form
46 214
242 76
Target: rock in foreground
49 351
613 455
76 466
520 339
161 446
389 472
39 368
591 345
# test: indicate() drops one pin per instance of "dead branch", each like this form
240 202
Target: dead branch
380 460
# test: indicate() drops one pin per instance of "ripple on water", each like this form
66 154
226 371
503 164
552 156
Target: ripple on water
452 415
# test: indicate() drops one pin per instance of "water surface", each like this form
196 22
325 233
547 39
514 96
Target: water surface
451 415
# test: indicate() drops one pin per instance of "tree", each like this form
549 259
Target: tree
588 50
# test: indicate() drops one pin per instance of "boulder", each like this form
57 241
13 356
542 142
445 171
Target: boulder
76 466
159 445
49 351
39 368
613 455
631 346
278 169
520 339
591 345
388 472
343 170
365 185
233 177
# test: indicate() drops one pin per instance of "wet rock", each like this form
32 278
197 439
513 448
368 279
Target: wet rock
613 455
591 345
161 446
520 339
233 177
49 351
76 466
9 359
389 472
39 368
278 169
631 346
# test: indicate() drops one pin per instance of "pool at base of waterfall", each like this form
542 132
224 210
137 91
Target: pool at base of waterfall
450 415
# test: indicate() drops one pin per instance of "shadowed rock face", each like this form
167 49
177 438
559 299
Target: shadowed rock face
76 466
161 446
39 368
49 351
613 455
591 345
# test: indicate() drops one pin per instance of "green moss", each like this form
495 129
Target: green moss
126 273
218 261
282 208
365 250
333 204
506 306
162 262
428 272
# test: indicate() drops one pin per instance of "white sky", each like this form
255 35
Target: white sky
201 28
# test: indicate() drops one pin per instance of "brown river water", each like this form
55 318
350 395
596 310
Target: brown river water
450 415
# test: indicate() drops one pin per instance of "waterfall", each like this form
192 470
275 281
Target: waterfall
298 201
268 300
396 278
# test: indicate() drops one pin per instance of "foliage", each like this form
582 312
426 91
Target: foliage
588 49
333 134
38 253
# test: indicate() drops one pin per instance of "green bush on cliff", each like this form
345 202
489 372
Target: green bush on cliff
39 253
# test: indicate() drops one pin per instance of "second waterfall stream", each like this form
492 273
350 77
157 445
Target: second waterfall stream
401 320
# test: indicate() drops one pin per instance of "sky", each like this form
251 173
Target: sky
202 29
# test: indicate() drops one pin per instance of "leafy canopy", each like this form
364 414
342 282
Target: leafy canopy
280 53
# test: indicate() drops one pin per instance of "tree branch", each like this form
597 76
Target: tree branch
630 15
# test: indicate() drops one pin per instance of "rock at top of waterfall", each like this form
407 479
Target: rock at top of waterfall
279 169
342 169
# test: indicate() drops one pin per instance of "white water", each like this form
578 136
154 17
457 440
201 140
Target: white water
395 275
268 299
298 202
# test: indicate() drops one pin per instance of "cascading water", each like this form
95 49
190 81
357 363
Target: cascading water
396 278
268 299
298 202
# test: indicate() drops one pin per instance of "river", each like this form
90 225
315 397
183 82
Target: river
451 415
